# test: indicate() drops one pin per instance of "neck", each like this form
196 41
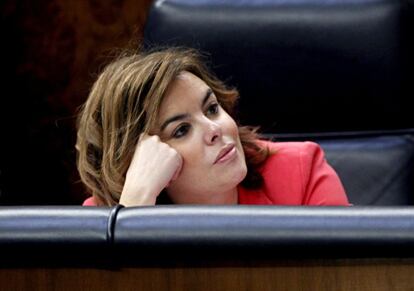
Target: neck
230 197
223 198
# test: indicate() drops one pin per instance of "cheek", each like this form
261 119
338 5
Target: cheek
192 171
192 156
230 126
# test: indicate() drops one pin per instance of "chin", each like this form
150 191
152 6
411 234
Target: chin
180 192
237 175
242 174
243 167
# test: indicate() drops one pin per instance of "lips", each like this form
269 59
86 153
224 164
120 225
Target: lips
225 153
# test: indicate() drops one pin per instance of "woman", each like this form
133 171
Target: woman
159 123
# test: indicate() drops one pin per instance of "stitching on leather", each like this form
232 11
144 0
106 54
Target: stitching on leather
110 231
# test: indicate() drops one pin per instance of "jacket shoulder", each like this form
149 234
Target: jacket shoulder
292 148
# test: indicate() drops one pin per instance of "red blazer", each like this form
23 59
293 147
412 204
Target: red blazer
296 174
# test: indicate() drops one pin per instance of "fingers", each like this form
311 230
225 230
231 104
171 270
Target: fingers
157 160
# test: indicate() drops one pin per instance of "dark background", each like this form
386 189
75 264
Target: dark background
52 51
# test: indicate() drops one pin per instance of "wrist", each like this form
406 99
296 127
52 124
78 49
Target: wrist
137 196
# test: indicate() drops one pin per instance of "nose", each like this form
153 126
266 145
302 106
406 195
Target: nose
212 132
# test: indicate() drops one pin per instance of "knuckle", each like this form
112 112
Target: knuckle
172 151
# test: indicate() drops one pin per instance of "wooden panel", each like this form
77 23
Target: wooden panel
53 50
345 275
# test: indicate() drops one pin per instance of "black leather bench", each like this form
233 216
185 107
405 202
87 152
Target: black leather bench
336 72
141 236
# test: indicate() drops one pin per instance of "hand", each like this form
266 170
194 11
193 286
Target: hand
153 167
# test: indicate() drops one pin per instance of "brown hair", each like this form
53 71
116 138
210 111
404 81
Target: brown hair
124 102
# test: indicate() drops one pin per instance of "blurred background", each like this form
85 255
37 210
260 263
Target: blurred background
52 51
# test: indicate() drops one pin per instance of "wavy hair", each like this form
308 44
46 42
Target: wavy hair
124 102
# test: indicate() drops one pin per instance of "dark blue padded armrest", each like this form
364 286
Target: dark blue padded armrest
214 232
113 237
56 235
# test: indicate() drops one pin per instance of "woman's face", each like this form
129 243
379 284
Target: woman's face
193 123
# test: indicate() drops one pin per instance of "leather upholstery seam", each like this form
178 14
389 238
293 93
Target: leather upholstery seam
110 231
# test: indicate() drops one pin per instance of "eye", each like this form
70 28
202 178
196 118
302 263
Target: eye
181 131
213 109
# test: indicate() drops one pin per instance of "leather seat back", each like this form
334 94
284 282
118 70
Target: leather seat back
340 70
302 66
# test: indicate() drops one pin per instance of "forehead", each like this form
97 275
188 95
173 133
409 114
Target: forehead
185 82
185 89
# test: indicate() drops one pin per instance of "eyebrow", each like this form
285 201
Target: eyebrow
183 116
